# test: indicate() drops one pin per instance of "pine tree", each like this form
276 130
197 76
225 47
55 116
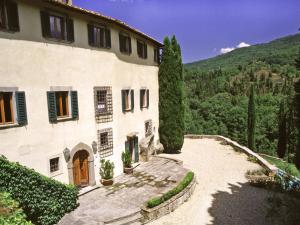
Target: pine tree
171 97
297 120
282 137
251 119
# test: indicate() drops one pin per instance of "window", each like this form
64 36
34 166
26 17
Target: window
103 104
148 128
62 105
142 49
144 98
127 100
6 108
57 26
99 36
54 164
105 139
156 55
9 18
125 43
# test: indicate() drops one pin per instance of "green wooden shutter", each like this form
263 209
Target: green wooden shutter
45 21
123 93
141 98
127 146
70 30
132 99
91 34
136 149
51 106
12 16
147 98
129 39
121 42
74 105
107 38
21 108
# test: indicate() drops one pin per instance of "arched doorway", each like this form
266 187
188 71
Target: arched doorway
81 168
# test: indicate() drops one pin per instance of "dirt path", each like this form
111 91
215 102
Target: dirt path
222 196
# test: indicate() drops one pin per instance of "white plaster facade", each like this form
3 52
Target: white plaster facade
32 64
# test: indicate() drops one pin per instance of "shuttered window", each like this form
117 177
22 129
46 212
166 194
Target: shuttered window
13 105
58 27
9 18
156 55
60 104
144 98
125 43
127 100
99 36
142 49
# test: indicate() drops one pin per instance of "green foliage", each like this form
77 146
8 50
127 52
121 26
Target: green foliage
281 164
251 119
181 186
171 97
44 200
252 159
107 169
282 137
10 213
297 112
126 159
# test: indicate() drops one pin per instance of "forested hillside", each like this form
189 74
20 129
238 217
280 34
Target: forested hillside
217 93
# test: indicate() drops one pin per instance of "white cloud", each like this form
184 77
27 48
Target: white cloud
226 50
229 49
242 45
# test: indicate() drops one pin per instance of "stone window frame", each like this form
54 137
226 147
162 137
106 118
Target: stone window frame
105 150
107 116
150 128
60 169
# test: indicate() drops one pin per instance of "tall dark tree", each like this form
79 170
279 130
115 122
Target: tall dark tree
171 97
251 119
297 61
282 137
297 120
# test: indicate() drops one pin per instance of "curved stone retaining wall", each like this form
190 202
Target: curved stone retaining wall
264 163
168 206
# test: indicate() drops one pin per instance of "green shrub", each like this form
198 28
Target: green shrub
44 200
10 213
181 186
126 159
107 169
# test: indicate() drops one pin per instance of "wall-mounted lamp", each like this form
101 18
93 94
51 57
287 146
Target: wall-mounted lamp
94 147
67 154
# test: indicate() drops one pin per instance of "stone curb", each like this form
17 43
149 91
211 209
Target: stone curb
177 161
264 163
150 214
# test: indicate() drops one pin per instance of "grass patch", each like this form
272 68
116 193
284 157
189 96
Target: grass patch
289 167
182 185
259 172
252 159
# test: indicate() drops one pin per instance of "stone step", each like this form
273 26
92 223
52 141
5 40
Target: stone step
132 219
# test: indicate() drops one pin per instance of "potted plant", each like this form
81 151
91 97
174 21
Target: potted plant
126 159
107 172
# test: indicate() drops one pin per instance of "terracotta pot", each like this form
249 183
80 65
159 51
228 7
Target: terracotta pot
128 170
107 182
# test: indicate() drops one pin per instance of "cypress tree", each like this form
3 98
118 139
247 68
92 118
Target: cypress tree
251 119
282 137
171 97
297 113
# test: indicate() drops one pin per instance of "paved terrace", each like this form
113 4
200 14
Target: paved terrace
128 193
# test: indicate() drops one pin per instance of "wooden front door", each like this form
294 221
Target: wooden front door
81 168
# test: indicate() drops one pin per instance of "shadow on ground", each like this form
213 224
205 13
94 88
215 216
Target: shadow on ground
242 205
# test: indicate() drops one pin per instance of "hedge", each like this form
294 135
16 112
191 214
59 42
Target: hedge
10 213
180 187
44 200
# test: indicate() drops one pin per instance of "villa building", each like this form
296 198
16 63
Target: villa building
75 87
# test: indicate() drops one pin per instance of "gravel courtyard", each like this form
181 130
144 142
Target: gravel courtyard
222 196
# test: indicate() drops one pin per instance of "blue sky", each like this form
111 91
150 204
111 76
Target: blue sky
205 28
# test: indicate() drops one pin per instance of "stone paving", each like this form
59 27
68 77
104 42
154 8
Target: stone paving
128 193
